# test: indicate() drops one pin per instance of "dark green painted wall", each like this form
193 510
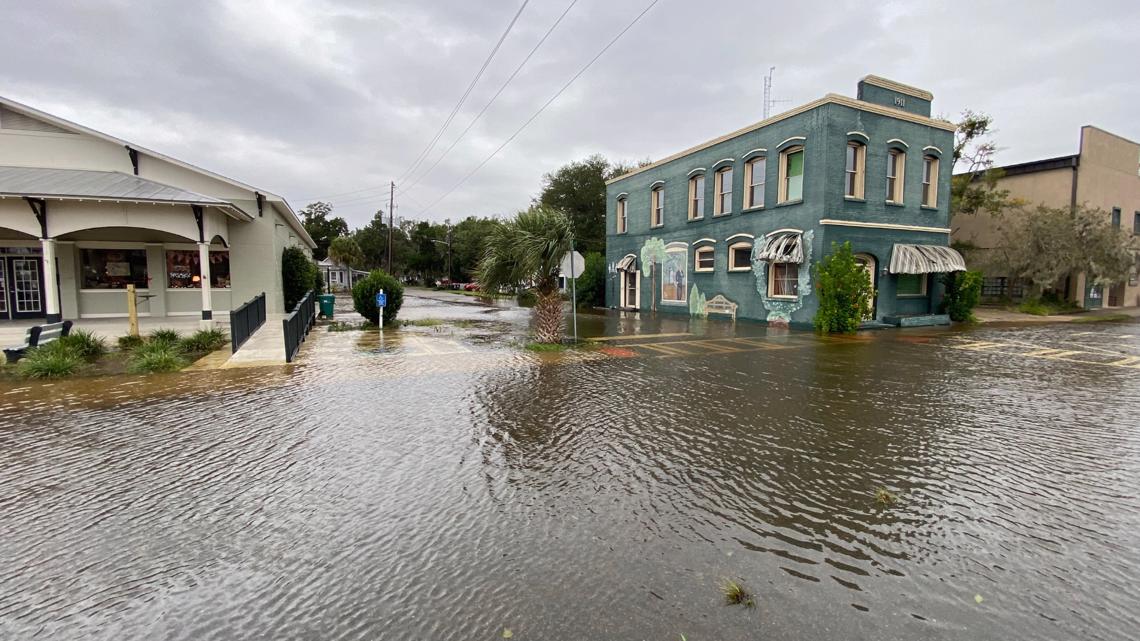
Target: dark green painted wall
825 130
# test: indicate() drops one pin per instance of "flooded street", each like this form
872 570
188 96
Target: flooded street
447 484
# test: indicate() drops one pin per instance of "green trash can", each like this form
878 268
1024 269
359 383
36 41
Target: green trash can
326 301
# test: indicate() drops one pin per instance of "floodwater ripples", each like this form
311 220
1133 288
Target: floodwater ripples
369 493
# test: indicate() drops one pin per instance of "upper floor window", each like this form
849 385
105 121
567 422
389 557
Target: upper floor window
930 181
697 197
657 206
896 170
1116 218
1136 224
740 257
723 183
705 259
621 219
854 170
754 171
791 174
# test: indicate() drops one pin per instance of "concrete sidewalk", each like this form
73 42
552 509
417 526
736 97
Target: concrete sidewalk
110 329
265 347
996 315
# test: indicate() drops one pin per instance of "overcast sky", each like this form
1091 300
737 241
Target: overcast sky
318 98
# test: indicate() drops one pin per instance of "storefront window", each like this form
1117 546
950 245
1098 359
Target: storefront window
114 268
184 272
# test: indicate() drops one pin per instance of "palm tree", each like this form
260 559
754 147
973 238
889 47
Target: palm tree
527 251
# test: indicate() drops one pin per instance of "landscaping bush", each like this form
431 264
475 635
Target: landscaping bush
154 356
299 274
844 292
164 337
51 360
592 281
526 298
85 344
130 341
204 340
963 291
364 297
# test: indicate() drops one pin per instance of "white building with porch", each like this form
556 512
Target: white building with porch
84 214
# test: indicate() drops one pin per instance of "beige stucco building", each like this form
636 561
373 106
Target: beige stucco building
1104 173
84 214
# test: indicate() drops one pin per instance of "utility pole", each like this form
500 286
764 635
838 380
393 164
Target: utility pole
391 206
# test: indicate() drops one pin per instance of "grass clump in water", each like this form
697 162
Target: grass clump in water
51 360
156 356
546 347
1103 318
422 322
164 337
885 497
204 340
130 341
341 326
85 344
736 594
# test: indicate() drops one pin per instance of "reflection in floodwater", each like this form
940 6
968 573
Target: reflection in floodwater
446 485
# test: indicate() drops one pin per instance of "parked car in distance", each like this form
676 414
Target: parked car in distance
471 287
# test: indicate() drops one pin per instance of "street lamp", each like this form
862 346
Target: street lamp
448 243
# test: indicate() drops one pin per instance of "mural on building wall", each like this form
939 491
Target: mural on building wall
780 310
697 302
675 274
652 252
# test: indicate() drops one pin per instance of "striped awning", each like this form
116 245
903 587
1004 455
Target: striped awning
925 259
781 247
627 264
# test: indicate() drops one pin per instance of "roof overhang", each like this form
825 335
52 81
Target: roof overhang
925 259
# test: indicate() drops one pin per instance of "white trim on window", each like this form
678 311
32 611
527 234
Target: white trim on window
896 183
722 195
698 169
932 148
735 247
783 195
621 215
801 139
700 252
750 182
855 173
657 204
772 267
898 141
677 244
695 209
740 235
859 133
754 152
704 240
930 167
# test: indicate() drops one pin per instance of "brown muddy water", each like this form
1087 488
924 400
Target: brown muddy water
448 485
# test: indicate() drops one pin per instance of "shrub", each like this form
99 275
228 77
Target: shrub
844 292
156 357
130 341
299 274
1034 306
85 344
592 281
526 298
204 340
364 297
963 291
51 360
164 337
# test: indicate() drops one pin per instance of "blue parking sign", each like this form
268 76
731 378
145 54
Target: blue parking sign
381 299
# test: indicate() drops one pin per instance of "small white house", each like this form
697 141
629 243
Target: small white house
339 277
84 214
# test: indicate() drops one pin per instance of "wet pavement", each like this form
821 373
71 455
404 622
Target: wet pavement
441 482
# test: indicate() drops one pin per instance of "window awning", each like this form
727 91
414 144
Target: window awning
782 247
925 259
627 264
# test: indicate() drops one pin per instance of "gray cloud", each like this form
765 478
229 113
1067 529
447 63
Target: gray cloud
314 98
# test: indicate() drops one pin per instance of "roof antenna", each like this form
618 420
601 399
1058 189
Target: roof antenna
768 102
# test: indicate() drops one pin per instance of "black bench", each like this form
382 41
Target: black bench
37 335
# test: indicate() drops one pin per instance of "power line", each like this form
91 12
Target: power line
545 105
493 98
419 159
466 93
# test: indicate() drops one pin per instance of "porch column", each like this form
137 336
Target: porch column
207 305
51 288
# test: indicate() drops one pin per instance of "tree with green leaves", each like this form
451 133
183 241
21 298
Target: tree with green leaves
844 292
579 189
974 185
322 226
527 251
343 250
1044 244
652 254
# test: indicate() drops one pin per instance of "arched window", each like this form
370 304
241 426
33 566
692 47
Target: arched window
896 175
930 181
621 217
854 169
723 191
657 206
697 197
791 174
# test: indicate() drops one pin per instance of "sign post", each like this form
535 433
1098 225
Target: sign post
132 311
573 264
381 301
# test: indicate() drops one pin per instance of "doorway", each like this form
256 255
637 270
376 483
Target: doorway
21 287
630 289
867 262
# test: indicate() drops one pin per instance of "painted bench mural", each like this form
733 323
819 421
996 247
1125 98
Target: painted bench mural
720 305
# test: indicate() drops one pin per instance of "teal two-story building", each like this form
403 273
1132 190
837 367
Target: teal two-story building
734 226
